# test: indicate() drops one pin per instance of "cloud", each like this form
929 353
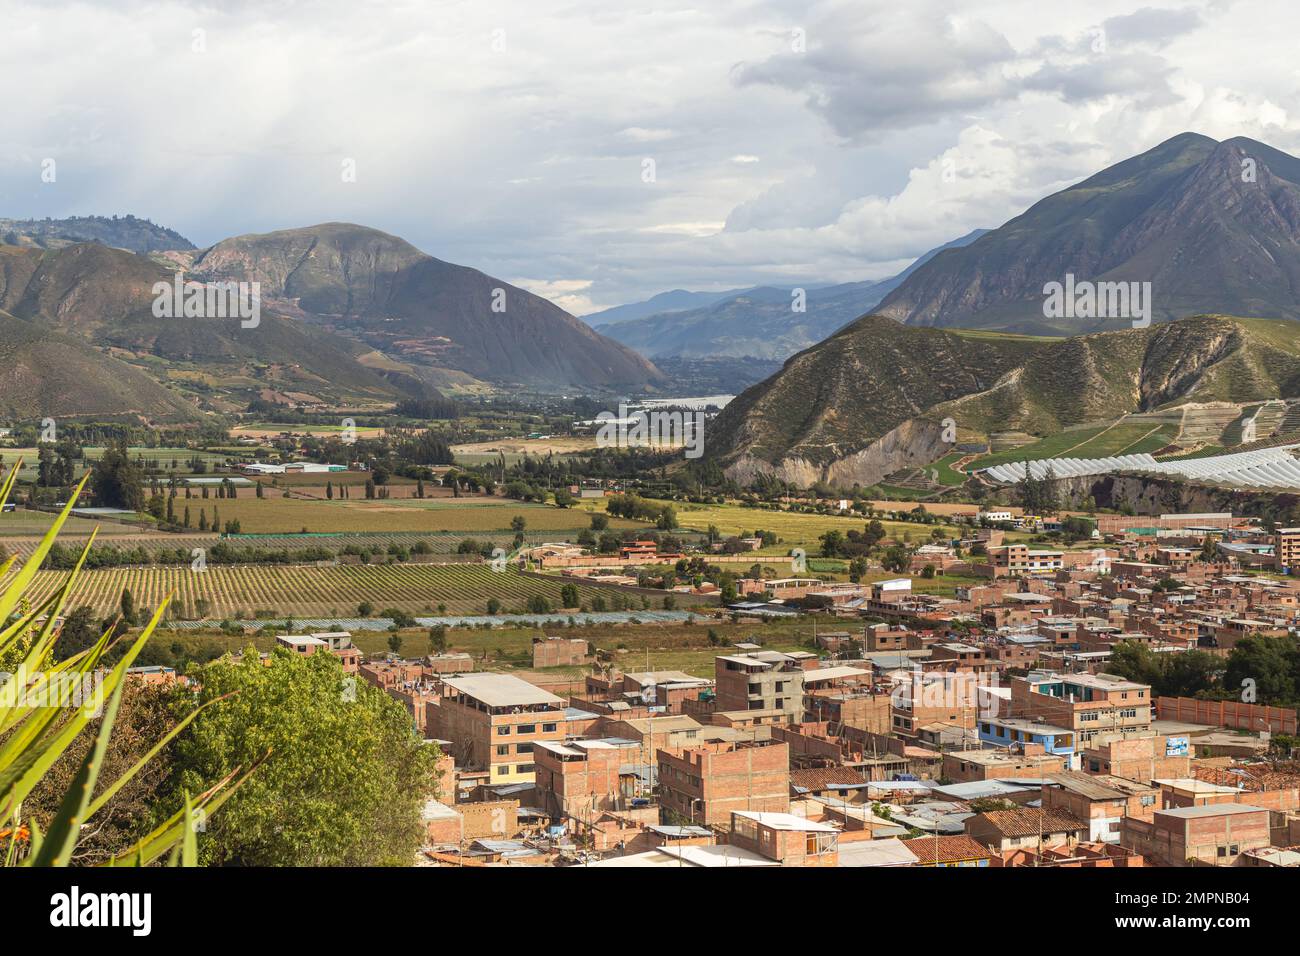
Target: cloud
899 127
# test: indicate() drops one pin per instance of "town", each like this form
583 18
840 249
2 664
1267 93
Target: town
984 730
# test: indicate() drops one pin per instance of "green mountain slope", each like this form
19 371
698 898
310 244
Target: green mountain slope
878 397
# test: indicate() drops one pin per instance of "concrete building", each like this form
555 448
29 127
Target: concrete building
1286 548
1095 707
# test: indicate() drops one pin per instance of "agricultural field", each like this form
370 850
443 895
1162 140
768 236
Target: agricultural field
1097 441
307 591
276 514
793 529
159 458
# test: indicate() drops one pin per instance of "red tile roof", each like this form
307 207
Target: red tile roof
950 849
819 778
1025 821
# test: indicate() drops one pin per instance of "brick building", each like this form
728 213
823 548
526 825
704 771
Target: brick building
1185 836
706 784
493 720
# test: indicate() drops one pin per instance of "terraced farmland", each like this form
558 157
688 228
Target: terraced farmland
306 591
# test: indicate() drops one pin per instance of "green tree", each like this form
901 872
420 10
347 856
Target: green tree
438 639
346 778
117 481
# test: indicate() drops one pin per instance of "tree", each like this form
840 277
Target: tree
895 559
518 523
346 778
569 595
145 716
438 639
395 643
599 522
80 630
563 498
127 605
117 481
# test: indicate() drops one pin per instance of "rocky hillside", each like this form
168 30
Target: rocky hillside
875 397
1213 226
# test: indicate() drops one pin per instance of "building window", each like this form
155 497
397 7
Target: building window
548 728
503 750
503 730
527 729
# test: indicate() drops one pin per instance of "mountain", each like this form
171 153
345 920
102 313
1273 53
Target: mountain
393 298
1213 226
104 296
45 374
878 396
760 322
678 300
121 232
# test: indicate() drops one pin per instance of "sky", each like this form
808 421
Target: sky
598 152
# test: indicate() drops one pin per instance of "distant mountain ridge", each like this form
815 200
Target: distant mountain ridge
759 322
1213 226
676 300
121 232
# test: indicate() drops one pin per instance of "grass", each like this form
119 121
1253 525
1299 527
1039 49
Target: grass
683 647
790 527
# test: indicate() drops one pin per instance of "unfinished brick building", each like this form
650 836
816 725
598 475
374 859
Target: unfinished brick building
706 784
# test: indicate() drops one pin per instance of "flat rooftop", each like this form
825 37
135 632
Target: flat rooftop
501 690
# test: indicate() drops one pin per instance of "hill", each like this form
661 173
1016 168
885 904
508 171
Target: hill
392 297
1213 226
877 397
121 232
104 296
45 374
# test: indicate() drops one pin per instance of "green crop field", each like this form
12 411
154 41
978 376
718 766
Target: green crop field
792 528
308 591
1099 441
